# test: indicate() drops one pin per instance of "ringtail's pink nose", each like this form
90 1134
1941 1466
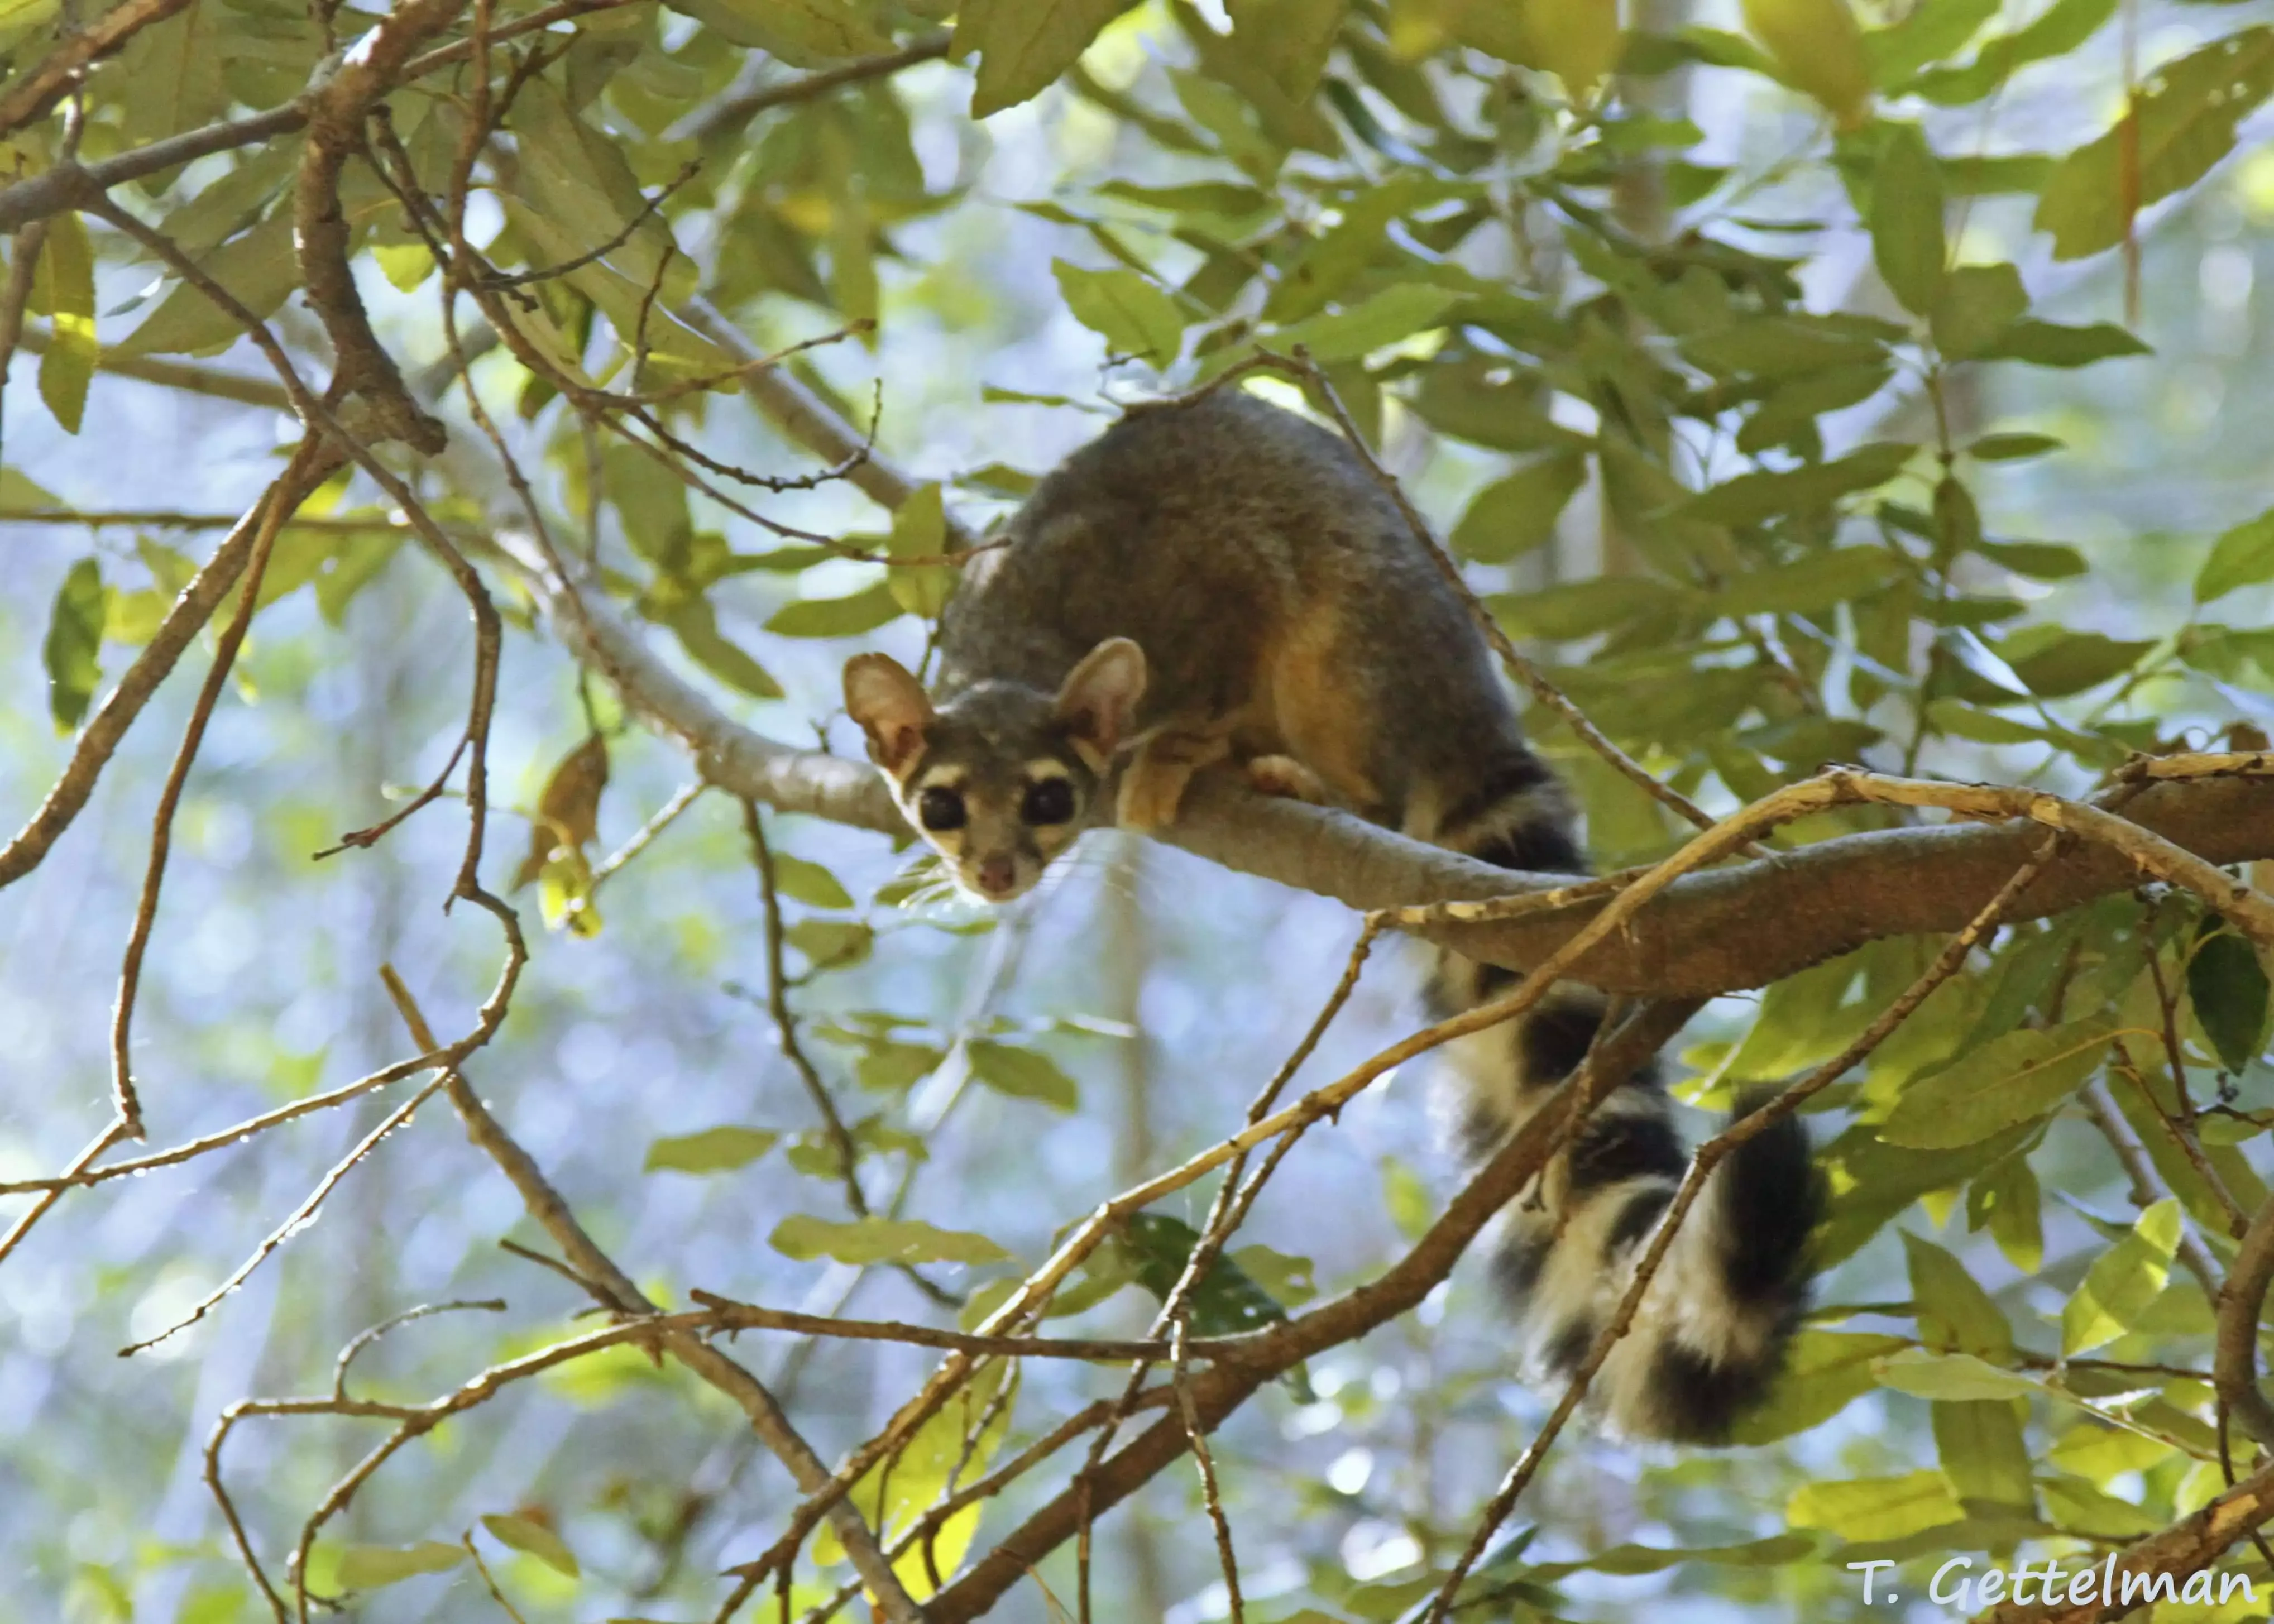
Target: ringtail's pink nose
997 875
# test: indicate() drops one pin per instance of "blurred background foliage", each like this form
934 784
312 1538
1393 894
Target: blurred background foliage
1801 383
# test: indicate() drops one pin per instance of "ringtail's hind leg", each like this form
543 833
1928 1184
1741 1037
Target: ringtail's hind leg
1287 778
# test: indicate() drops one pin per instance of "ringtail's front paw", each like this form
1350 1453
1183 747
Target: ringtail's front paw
1153 784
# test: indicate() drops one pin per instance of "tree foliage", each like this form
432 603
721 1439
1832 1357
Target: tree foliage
1781 377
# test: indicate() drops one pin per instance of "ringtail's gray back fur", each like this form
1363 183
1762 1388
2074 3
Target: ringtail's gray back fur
1224 581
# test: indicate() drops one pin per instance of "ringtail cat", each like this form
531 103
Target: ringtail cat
1222 581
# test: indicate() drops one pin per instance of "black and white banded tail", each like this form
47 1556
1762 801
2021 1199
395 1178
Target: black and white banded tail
1711 1330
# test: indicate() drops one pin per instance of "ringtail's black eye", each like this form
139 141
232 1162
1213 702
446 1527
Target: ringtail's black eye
940 808
1049 800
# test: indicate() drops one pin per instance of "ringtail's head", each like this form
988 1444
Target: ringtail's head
1003 777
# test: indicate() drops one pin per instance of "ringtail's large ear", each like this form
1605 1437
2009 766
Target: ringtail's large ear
890 706
1098 700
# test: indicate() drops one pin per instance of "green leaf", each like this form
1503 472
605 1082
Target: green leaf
2123 1282
1809 585
2227 985
1134 317
1023 45
1956 1378
1818 50
2094 1515
259 267
1906 240
2050 343
864 611
2244 556
881 1240
920 531
1864 1508
2007 1201
1584 607
1512 516
830 943
2007 1081
1933 29
2185 116
1289 40
1749 499
2040 561
367 1568
1954 1313
75 646
1976 302
2011 448
695 624
527 1534
804 34
1984 1452
1824 1374
809 882
1023 1074
67 281
1226 1302
714 1150
2058 30
1386 317
2074 661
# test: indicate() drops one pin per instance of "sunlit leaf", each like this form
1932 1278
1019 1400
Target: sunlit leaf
714 1150
1818 50
74 645
2123 1282
2185 116
1025 44
368 1567
66 292
2020 1076
881 1240
527 1534
1023 1074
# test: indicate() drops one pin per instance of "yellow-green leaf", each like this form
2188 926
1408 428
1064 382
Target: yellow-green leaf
529 1535
1134 317
367 1568
1907 238
1023 45
1023 1074
1863 1508
2123 1282
67 279
881 1240
714 1150
1577 40
809 882
2241 557
1512 516
1956 1378
2186 116
1819 49
864 611
2011 1080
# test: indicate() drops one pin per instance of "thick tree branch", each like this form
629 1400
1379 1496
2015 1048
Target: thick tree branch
45 85
2241 1302
1725 930
2187 1547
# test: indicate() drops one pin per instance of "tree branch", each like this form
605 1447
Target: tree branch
2191 1543
1728 928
